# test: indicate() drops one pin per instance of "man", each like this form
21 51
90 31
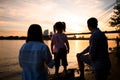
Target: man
97 53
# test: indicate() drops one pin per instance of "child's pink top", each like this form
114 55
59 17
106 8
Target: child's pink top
59 40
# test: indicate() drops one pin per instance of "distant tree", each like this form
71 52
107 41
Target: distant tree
115 18
115 22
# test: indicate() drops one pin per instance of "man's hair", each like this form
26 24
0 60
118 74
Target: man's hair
92 22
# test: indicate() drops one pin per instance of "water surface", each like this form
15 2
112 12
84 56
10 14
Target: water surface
9 51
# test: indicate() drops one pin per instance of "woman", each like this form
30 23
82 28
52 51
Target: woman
35 56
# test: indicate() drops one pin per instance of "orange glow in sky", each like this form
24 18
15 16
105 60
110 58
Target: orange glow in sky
17 15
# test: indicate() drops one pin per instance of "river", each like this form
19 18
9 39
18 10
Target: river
9 51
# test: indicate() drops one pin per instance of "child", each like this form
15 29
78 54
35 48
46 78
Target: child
34 55
59 46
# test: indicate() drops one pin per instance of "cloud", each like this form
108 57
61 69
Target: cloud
107 4
43 9
21 13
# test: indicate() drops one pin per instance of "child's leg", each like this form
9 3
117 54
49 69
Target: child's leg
56 70
64 62
57 63
65 68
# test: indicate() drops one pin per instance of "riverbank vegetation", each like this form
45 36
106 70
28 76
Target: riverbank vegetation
44 37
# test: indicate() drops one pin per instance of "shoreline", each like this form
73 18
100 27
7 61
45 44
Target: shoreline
114 73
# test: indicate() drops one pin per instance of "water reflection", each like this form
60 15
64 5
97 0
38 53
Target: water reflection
9 51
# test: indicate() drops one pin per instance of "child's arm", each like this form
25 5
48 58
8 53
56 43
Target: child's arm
67 44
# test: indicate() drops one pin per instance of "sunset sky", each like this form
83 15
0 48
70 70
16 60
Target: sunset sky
17 15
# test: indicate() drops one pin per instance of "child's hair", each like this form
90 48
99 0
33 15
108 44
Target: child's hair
64 26
34 33
59 26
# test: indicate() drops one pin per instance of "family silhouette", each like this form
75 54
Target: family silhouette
35 56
